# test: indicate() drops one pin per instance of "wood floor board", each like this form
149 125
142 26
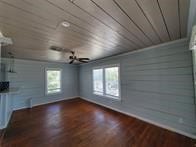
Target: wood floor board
1 136
79 123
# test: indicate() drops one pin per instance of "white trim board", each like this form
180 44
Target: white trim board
44 103
185 40
47 102
144 119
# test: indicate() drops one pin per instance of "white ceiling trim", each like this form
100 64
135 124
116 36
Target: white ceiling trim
183 40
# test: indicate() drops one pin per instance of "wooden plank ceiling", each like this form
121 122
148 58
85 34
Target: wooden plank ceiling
99 28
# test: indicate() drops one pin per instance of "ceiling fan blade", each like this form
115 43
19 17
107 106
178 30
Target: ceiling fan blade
72 52
59 49
83 59
71 61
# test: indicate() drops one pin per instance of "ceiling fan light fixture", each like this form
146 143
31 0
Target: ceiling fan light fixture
65 24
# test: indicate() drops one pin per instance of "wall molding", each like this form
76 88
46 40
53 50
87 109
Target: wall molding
144 119
46 102
183 40
53 101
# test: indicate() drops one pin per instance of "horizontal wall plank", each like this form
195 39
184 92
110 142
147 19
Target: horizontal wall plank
159 97
183 70
180 78
168 84
157 65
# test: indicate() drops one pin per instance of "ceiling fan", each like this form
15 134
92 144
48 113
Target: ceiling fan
73 57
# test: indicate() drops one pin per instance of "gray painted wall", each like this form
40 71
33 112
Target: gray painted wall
30 78
156 85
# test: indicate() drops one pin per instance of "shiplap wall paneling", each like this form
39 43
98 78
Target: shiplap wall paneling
156 84
30 79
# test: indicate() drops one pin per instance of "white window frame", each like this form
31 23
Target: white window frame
46 80
104 95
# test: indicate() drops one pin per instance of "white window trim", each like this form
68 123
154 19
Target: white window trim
104 95
46 81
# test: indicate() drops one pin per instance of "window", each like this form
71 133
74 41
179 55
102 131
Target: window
106 81
111 81
98 81
53 81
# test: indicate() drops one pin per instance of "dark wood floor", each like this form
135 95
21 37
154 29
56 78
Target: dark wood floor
78 123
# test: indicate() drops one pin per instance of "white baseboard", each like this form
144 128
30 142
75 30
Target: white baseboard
68 98
144 119
23 107
43 103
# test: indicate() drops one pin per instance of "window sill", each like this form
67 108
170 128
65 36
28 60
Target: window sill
107 96
55 93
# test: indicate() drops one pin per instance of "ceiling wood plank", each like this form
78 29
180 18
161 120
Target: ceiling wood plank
89 7
78 23
184 7
113 10
8 8
170 11
99 28
153 13
74 15
136 14
76 27
67 32
117 12
21 33
56 38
